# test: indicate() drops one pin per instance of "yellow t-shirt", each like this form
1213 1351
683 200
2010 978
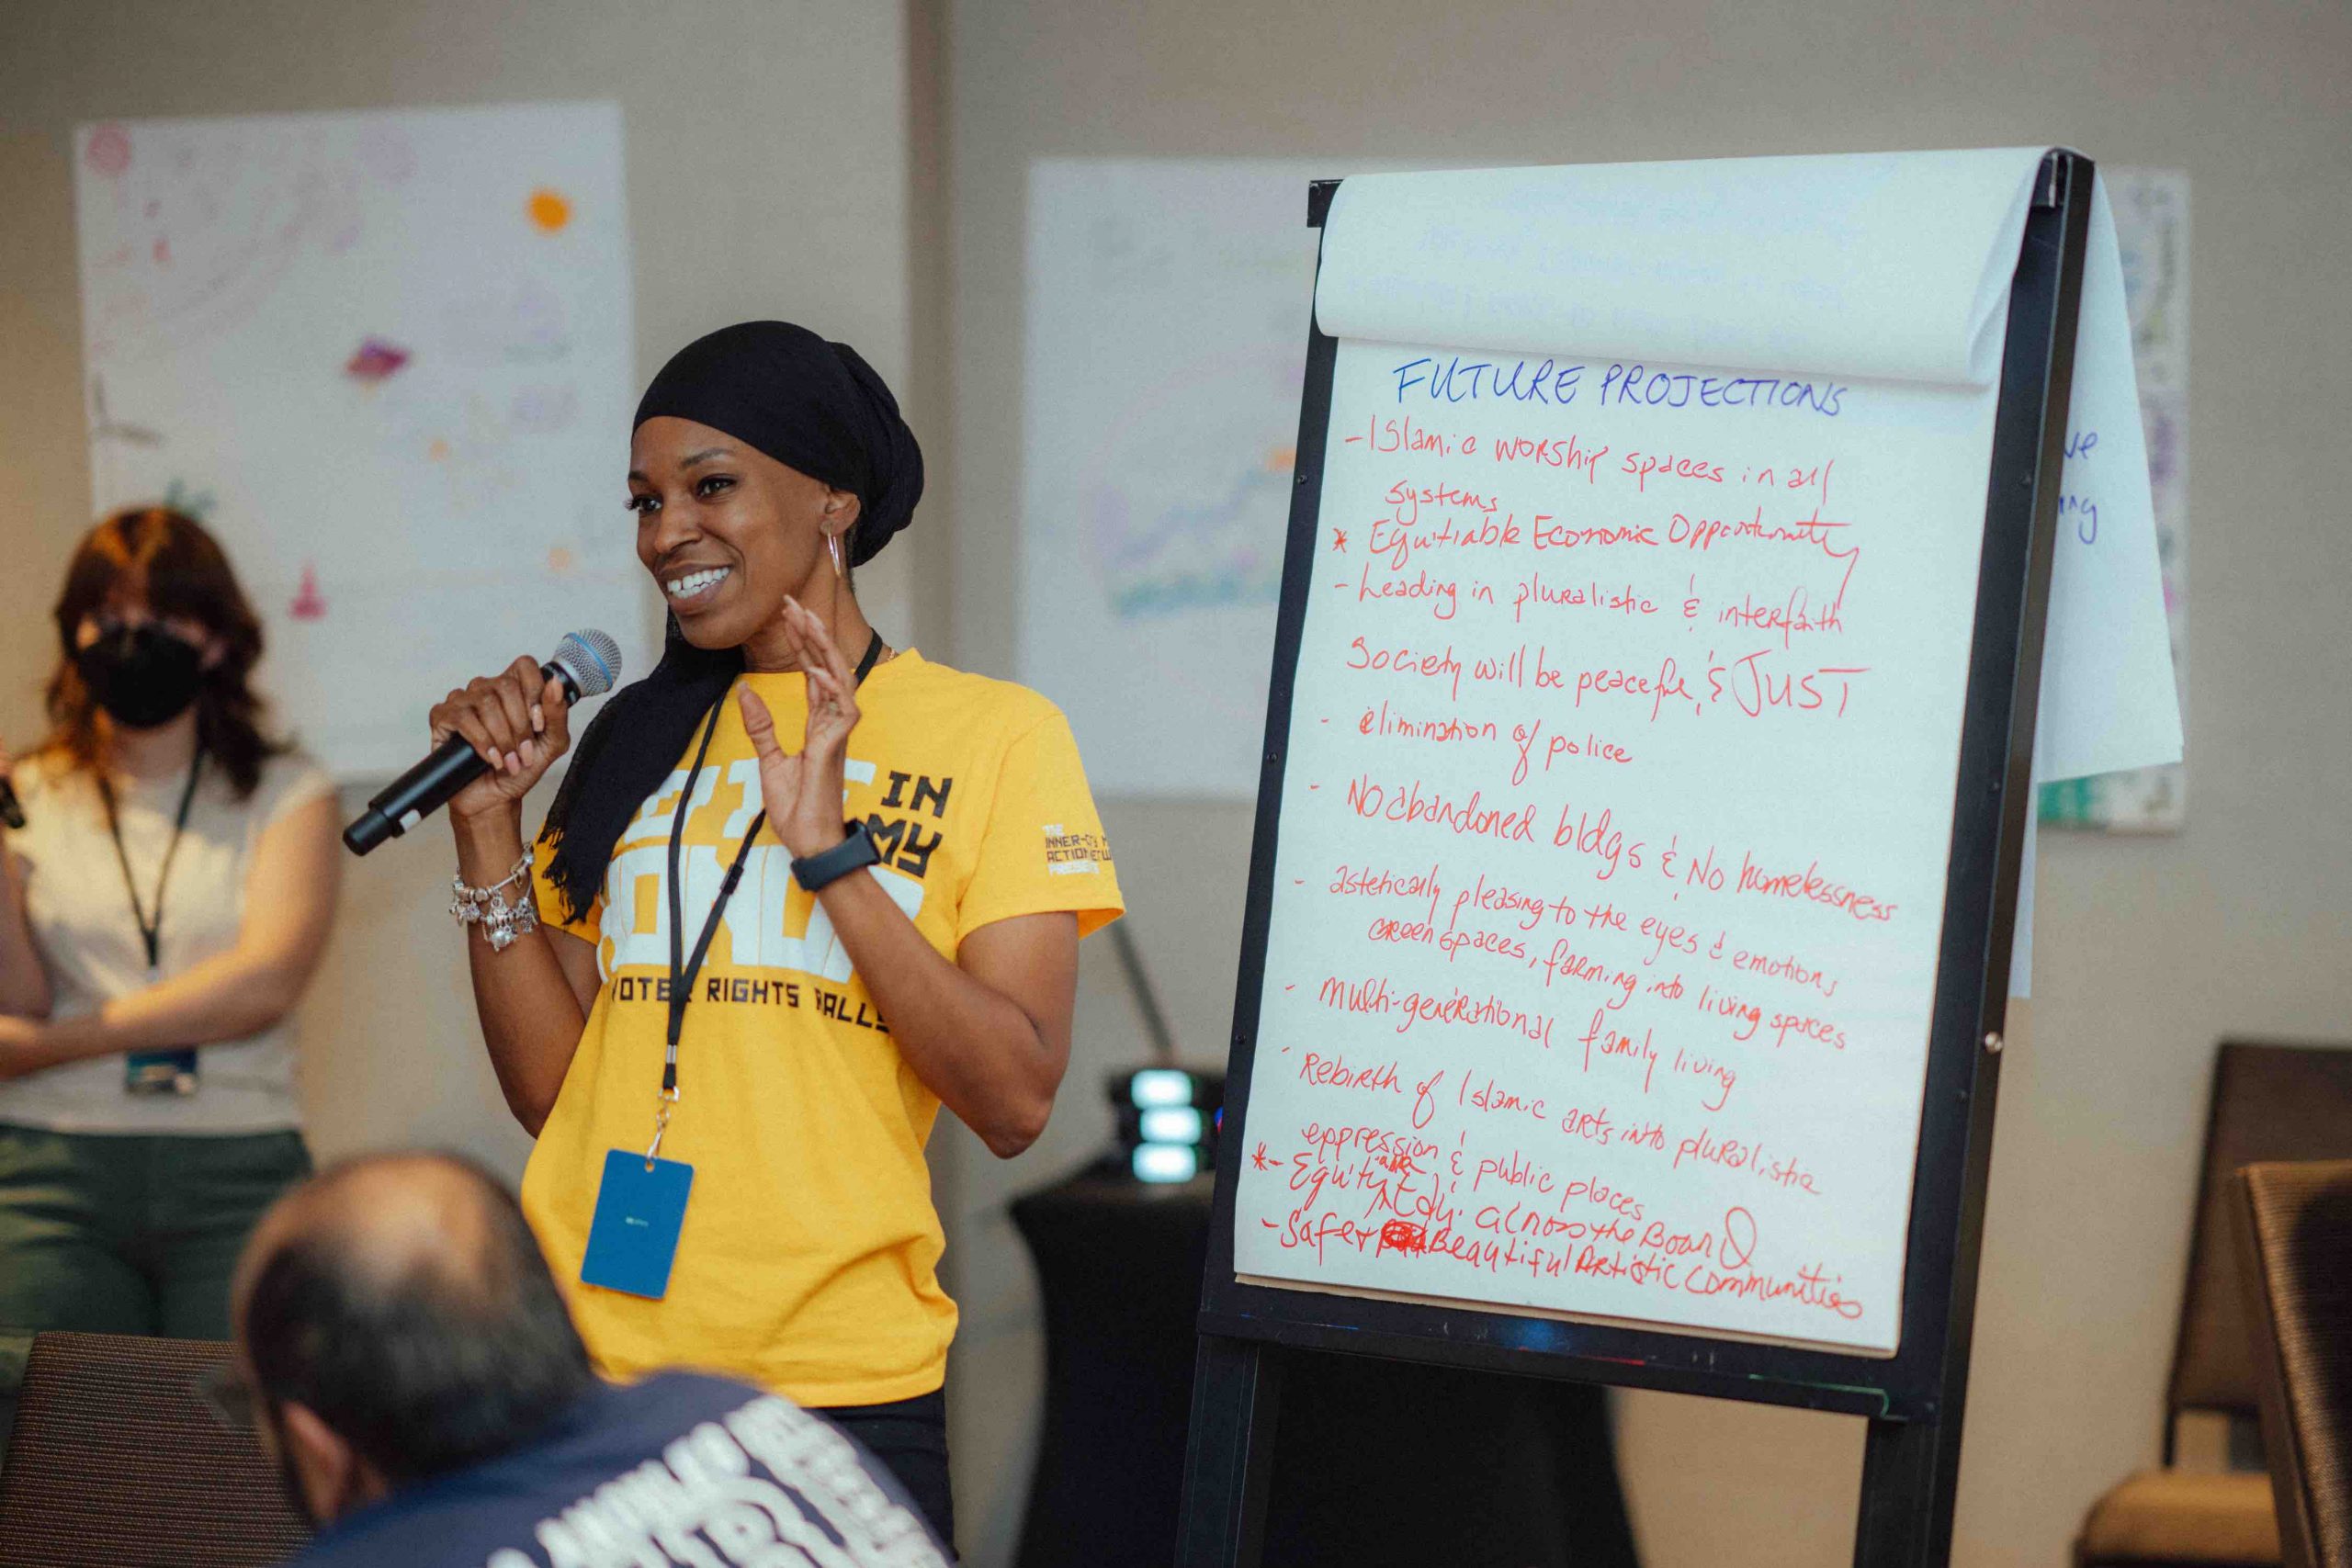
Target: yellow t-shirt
808 1261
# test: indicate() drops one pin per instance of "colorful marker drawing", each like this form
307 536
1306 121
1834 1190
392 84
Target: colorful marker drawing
1191 553
374 361
114 443
376 293
199 231
186 500
550 210
108 152
1164 352
1167 534
309 603
105 427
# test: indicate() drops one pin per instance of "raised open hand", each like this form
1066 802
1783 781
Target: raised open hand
803 791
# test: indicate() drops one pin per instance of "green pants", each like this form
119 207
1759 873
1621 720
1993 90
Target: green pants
128 1234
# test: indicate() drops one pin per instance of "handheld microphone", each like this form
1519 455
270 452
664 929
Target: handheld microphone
587 662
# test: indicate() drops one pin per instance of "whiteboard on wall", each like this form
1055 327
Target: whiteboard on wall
1617 790
386 359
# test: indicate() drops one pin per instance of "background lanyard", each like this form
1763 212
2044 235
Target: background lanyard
151 932
683 969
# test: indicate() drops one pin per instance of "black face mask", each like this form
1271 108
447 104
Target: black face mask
143 675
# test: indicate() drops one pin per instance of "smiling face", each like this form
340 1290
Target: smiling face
728 532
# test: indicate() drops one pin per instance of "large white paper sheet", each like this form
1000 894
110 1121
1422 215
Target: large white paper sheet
1619 782
1615 826
2107 696
2150 207
1166 345
2109 669
387 358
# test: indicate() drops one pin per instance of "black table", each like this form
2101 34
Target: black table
1374 1461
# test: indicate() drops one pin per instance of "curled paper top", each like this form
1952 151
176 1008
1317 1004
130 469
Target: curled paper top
1887 266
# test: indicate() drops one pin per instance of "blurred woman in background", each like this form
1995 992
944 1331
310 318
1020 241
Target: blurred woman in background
161 911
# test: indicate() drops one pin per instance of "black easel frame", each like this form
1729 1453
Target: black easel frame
1913 1401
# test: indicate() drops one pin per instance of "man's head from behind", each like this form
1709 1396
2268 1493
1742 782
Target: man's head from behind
396 1321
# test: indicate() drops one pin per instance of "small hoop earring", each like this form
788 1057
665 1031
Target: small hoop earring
833 542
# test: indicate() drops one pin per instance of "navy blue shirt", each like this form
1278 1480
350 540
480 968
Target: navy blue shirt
679 1469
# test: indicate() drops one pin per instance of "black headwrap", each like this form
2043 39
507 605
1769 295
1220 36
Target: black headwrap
812 405
809 404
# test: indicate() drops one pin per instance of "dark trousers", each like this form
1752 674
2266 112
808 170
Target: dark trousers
126 1233
131 1234
910 1438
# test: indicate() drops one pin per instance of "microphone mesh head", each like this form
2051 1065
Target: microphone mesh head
594 659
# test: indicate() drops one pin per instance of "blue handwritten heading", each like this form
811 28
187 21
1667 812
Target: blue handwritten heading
1457 380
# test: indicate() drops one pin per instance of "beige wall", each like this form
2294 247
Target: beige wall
780 161
767 175
2148 950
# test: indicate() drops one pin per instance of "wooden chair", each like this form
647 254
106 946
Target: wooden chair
116 1460
2294 1240
2269 1102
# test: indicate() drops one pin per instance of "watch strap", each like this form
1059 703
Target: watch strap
852 853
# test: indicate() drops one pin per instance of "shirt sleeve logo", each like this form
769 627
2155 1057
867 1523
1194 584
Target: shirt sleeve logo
1074 854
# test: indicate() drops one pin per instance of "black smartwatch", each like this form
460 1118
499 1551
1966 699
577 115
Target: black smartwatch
852 853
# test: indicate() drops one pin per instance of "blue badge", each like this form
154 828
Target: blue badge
640 1208
160 1072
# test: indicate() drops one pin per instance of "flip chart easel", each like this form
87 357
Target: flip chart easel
1912 1401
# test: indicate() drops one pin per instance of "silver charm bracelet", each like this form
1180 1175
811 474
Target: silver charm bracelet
501 921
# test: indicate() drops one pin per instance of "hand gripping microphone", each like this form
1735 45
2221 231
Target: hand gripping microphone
587 662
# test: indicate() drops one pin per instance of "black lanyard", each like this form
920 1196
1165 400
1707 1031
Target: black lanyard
683 969
151 932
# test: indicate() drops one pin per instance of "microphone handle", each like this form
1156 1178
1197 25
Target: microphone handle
428 786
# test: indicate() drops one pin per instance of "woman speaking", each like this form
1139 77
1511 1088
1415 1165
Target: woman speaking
160 911
764 965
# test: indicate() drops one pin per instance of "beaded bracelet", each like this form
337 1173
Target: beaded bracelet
501 921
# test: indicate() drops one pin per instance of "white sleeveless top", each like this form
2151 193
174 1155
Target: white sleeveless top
89 941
